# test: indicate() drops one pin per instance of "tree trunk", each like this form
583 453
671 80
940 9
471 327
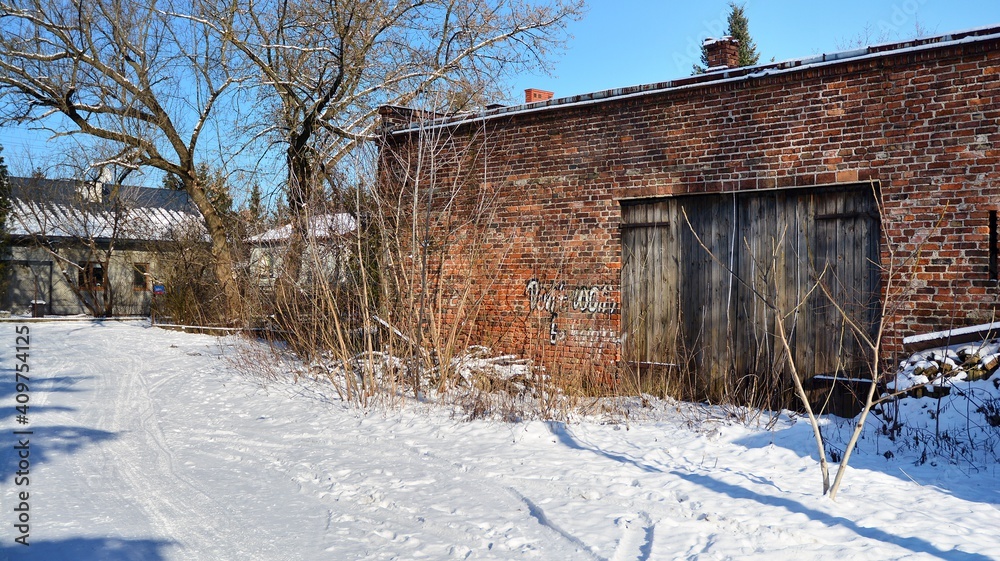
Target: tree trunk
300 195
223 264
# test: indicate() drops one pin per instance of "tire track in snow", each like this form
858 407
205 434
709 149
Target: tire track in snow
177 509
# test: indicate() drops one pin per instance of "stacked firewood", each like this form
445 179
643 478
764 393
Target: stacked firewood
933 371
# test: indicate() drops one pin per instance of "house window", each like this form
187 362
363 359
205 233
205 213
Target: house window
140 277
92 276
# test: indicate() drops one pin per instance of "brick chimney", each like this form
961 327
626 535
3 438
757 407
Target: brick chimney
531 95
722 53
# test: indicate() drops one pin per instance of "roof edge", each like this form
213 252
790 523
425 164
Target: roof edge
975 35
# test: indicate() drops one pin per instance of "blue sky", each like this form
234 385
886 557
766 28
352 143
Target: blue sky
622 43
628 42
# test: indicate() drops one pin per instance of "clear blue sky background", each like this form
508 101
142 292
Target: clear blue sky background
622 43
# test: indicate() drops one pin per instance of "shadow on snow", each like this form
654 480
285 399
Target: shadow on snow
870 455
36 387
44 442
86 549
913 544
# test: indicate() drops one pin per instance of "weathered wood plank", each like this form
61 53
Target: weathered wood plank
681 303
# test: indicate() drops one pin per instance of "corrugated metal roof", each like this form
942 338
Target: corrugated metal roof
71 209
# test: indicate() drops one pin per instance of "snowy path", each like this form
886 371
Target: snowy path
148 446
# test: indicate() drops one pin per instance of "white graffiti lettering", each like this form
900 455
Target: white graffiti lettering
559 298
555 335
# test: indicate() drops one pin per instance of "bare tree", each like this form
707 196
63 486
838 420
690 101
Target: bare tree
327 66
129 73
862 328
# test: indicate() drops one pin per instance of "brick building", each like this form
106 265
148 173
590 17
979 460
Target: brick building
669 224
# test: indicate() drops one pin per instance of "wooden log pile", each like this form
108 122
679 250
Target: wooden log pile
932 372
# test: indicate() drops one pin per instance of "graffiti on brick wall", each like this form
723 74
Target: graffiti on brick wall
555 334
581 333
558 297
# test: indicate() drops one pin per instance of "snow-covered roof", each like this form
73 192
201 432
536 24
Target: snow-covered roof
948 336
58 208
321 226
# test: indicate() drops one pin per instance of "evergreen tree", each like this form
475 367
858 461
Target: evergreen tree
216 187
700 68
214 183
256 203
172 182
739 29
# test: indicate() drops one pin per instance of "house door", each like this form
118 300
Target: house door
28 281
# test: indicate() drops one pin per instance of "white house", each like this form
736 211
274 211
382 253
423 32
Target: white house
324 249
75 246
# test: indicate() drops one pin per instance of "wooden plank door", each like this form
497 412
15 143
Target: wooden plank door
649 282
705 278
706 250
846 238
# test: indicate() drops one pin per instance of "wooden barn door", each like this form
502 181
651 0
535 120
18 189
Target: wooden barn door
650 282
846 246
702 275
677 289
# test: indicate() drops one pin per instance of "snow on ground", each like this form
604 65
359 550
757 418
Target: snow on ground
147 444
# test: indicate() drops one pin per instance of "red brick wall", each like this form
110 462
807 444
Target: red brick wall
923 124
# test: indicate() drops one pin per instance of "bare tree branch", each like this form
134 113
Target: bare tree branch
134 74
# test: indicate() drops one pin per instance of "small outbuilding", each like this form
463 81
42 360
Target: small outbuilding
75 247
324 249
